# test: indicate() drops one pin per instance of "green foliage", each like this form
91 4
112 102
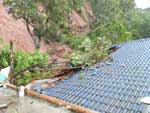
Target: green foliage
76 4
87 50
116 21
111 25
144 26
23 60
119 20
111 20
48 18
4 56
72 40
138 22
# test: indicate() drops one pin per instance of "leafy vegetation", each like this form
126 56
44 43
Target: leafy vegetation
87 50
120 20
116 21
22 60
139 23
111 19
48 18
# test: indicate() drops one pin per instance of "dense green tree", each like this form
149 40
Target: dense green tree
116 20
45 17
144 30
111 19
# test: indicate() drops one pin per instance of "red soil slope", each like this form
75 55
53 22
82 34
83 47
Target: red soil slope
10 29
15 30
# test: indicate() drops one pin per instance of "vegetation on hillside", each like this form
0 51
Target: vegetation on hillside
116 21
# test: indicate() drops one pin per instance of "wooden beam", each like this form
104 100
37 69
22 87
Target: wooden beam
56 101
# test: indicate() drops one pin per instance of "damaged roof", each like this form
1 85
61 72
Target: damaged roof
110 87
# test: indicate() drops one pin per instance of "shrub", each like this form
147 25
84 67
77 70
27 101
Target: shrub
23 60
87 50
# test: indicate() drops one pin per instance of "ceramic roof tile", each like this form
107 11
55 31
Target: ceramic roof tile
112 87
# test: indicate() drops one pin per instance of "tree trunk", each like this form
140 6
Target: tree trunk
36 40
11 74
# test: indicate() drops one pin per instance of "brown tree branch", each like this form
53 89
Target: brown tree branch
11 74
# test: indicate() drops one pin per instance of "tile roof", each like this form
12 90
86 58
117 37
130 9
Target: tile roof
110 87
